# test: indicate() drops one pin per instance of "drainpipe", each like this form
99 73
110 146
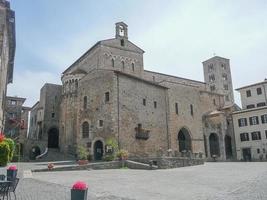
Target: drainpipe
265 92
118 110
167 118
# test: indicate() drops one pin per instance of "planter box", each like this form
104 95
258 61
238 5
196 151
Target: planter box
83 162
79 194
11 175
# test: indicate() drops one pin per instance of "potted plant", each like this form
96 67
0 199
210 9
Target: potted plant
50 166
122 154
12 172
82 155
79 191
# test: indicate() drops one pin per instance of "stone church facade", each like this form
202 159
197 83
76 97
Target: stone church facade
107 94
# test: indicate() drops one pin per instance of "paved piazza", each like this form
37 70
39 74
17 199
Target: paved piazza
212 181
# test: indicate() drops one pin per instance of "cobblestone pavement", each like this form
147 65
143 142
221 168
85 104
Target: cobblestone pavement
212 181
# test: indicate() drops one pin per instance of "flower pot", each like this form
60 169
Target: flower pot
83 162
79 194
11 174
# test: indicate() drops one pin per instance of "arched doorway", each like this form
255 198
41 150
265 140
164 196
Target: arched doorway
228 146
214 145
98 150
184 140
35 151
53 138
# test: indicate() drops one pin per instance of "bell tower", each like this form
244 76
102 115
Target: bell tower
121 30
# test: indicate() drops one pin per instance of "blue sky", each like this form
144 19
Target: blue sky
176 35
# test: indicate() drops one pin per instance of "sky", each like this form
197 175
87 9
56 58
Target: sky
177 36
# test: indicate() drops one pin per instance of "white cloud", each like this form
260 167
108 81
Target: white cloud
28 84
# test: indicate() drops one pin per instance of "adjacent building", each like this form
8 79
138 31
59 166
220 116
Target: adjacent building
16 120
7 53
250 123
44 120
107 94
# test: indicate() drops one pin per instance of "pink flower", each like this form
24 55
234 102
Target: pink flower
2 137
79 185
12 167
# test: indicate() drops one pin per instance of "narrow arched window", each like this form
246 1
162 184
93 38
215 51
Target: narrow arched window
112 62
85 102
85 129
123 65
76 85
133 67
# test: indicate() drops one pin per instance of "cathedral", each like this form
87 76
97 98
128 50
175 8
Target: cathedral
107 94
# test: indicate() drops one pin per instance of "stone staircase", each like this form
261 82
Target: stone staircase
55 155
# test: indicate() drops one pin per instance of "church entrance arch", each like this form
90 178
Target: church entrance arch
98 150
228 146
184 140
53 138
214 145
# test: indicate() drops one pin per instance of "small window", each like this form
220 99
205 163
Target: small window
242 122
258 151
144 102
123 65
264 119
85 102
266 134
176 108
191 110
210 67
100 123
133 67
259 92
248 93
225 87
214 102
212 78
53 115
254 120
107 97
244 137
224 76
256 135
227 98
13 102
112 62
212 87
223 66
250 106
263 150
155 104
122 43
261 104
153 78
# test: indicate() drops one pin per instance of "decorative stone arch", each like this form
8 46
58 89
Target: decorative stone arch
53 137
34 152
184 139
214 145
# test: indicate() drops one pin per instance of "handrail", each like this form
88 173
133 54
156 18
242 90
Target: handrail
43 154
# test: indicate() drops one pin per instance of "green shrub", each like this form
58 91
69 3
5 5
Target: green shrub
4 153
109 157
122 154
11 145
82 153
112 142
